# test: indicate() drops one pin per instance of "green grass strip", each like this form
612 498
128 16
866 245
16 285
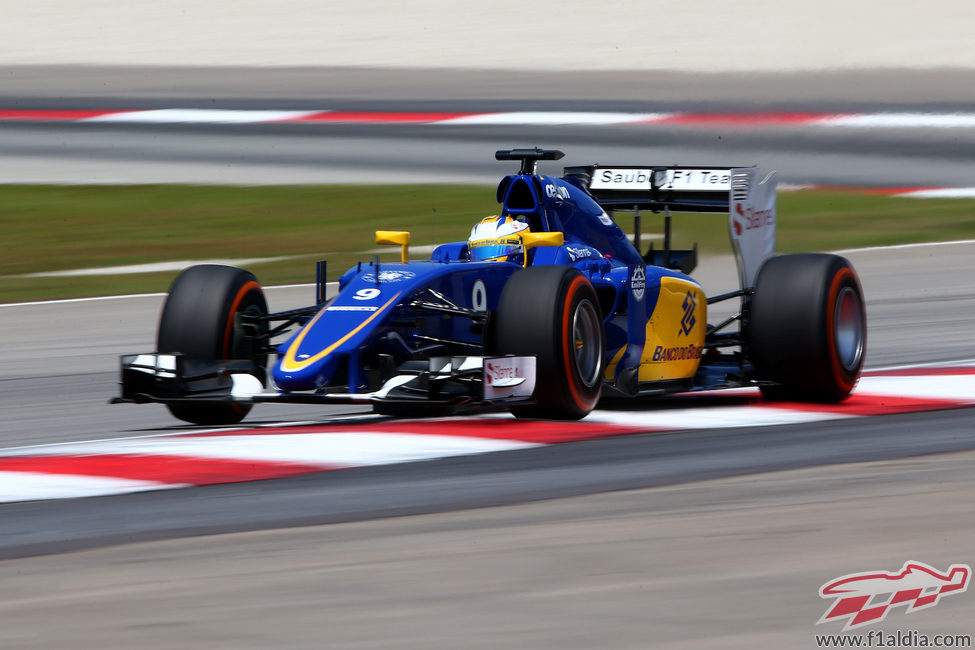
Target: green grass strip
52 228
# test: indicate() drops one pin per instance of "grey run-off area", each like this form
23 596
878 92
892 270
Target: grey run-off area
735 563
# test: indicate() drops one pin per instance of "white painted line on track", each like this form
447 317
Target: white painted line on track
940 193
711 417
199 116
330 449
155 267
914 366
552 118
64 301
40 486
957 387
900 120
894 247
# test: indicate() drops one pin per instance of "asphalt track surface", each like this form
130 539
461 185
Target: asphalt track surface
299 154
701 539
292 153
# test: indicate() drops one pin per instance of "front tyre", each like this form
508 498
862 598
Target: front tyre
552 313
198 320
807 328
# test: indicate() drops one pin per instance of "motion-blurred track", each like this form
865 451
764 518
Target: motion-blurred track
296 154
316 153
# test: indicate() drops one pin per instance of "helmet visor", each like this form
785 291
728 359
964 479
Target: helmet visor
492 250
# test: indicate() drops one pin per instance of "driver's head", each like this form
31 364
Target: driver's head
495 239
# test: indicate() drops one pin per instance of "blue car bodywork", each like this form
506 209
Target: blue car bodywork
421 333
373 315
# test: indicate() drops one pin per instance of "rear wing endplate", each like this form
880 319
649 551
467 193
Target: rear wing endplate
747 197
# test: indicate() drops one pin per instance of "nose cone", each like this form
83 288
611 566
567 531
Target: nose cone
307 377
308 361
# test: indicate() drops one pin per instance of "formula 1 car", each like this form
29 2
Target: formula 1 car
546 309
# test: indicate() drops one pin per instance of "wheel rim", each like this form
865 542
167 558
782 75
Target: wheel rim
587 342
848 329
245 340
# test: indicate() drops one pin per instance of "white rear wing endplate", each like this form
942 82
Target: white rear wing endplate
751 221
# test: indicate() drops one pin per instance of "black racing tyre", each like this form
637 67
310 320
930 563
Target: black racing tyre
552 312
198 321
807 328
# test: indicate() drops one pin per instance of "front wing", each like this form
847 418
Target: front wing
445 382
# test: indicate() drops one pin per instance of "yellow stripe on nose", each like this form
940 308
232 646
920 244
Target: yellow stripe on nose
291 364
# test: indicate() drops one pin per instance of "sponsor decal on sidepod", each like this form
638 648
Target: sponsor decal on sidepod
688 321
679 353
638 282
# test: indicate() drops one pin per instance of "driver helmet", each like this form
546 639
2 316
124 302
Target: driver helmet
495 239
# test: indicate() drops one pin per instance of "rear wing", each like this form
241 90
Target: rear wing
740 192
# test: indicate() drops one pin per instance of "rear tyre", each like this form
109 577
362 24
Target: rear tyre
552 312
807 328
198 321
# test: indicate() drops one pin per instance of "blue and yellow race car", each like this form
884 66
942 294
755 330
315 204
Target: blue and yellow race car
544 310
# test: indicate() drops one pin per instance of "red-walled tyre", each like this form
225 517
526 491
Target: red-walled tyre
198 321
552 312
807 328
